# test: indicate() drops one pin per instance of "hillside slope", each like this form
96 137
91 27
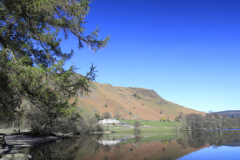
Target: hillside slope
129 103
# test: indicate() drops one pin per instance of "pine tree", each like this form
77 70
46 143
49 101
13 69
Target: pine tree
31 67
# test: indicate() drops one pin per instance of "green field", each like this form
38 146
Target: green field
152 123
155 129
152 126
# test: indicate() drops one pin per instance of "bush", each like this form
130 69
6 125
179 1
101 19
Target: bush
136 95
36 130
168 119
106 115
99 127
164 119
97 116
137 124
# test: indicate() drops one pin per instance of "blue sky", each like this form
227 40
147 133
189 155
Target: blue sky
188 51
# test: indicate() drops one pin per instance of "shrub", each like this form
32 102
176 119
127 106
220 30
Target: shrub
164 119
136 127
168 119
137 124
97 116
106 115
136 95
36 130
99 127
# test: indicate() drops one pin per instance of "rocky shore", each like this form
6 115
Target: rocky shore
11 144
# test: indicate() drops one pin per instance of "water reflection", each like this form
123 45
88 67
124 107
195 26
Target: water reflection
159 146
112 142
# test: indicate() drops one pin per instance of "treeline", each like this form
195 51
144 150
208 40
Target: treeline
198 139
210 121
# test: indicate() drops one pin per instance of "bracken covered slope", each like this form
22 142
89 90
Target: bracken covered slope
129 103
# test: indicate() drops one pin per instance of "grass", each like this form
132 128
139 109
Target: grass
155 126
122 129
152 123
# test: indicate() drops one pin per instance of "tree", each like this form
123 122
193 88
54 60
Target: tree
106 115
117 113
168 118
136 126
194 121
179 117
32 60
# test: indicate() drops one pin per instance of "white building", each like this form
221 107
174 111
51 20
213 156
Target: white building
109 121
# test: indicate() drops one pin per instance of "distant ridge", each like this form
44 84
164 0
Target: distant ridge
230 113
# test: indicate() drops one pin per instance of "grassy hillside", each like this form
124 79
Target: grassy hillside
129 103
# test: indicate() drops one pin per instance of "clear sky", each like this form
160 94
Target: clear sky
188 51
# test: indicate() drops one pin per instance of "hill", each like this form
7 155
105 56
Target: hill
129 103
229 113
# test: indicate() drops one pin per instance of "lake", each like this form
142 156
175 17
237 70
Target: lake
223 144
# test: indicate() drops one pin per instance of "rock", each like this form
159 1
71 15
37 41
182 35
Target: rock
2 151
17 156
25 141
1 138
2 141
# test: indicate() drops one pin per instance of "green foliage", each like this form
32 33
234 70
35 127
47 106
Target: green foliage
31 60
164 119
99 127
25 24
97 116
136 95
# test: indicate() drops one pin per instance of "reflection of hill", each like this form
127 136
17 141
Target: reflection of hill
163 146
165 149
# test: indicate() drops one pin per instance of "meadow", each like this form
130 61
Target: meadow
146 126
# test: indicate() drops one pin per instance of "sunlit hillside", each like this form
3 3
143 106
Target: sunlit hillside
129 103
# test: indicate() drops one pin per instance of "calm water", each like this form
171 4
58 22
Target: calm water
160 146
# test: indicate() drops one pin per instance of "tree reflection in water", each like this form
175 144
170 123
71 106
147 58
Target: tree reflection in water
197 139
137 138
66 149
164 147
